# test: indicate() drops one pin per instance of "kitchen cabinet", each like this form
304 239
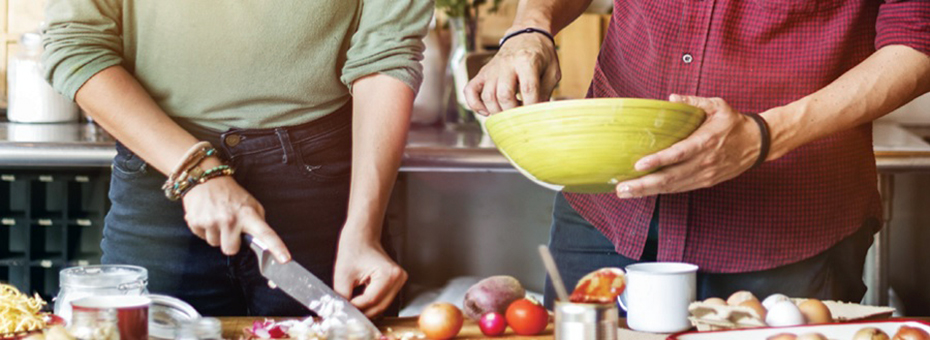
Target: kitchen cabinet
49 219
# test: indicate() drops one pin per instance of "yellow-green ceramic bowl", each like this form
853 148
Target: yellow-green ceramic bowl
589 145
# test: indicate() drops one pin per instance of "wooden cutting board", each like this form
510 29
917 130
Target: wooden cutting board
233 328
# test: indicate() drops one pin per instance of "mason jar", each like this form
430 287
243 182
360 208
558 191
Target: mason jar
97 280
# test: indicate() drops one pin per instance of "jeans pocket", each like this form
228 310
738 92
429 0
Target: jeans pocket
127 164
326 158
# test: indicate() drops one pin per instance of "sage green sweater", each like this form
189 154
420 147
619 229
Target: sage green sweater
238 63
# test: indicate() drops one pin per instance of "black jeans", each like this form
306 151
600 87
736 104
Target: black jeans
835 274
300 175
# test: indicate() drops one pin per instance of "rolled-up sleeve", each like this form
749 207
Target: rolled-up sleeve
902 22
82 38
389 40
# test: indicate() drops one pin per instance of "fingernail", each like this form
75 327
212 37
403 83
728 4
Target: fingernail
283 258
624 191
643 164
483 112
674 97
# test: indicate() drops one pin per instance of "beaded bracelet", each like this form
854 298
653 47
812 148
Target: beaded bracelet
191 159
188 171
181 187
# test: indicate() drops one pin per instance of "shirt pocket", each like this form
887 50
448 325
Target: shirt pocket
796 6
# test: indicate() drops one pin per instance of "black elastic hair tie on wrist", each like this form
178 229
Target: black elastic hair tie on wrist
766 139
523 31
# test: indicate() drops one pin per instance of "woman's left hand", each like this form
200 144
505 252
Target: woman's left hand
363 262
724 146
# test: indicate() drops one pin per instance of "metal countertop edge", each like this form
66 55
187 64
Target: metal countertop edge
459 160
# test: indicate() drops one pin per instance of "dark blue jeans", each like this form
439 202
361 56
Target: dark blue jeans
835 274
300 175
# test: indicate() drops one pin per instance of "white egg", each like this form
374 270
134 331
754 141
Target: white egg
773 299
784 313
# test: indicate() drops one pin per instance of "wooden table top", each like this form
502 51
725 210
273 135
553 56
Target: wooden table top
233 329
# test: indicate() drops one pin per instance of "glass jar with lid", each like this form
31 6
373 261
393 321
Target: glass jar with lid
84 281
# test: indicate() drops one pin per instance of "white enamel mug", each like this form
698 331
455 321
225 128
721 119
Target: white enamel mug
657 296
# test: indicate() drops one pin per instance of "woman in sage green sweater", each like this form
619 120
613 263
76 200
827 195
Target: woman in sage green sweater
306 104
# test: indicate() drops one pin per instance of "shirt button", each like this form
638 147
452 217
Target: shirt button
232 140
687 58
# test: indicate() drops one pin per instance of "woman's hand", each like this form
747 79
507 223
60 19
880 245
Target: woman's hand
527 64
220 210
724 146
363 262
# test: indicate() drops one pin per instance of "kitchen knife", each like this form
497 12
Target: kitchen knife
306 288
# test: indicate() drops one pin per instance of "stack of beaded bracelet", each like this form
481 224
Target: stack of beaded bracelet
188 172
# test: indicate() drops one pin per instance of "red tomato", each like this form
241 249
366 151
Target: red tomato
527 317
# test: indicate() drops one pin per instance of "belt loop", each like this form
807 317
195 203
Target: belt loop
285 144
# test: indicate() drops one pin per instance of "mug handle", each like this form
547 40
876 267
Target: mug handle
621 300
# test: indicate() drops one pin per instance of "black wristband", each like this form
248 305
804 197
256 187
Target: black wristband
526 30
766 139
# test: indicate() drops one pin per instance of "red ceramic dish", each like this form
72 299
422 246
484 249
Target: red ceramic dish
50 320
844 330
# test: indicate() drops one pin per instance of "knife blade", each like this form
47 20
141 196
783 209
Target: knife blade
307 289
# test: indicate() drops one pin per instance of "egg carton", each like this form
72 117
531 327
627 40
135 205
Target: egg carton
712 317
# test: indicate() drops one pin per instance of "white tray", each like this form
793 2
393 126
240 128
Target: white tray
839 331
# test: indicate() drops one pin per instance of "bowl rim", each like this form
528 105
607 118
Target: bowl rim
596 102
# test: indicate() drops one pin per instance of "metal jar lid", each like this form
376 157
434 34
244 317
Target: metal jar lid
166 314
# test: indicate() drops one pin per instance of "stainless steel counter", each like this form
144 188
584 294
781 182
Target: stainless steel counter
434 149
429 148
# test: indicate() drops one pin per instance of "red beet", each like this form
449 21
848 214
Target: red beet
493 294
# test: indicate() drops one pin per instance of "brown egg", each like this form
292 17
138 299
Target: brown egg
715 301
911 333
782 336
870 333
815 311
756 306
812 336
740 296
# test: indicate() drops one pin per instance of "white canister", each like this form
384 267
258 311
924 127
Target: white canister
30 98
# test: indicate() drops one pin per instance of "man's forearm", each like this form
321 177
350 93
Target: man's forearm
551 15
381 117
889 78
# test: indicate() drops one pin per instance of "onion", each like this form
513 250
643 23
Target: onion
441 321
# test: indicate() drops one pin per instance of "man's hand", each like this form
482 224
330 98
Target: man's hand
360 262
527 64
724 146
220 210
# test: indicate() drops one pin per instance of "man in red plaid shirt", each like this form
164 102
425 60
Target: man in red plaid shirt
816 72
